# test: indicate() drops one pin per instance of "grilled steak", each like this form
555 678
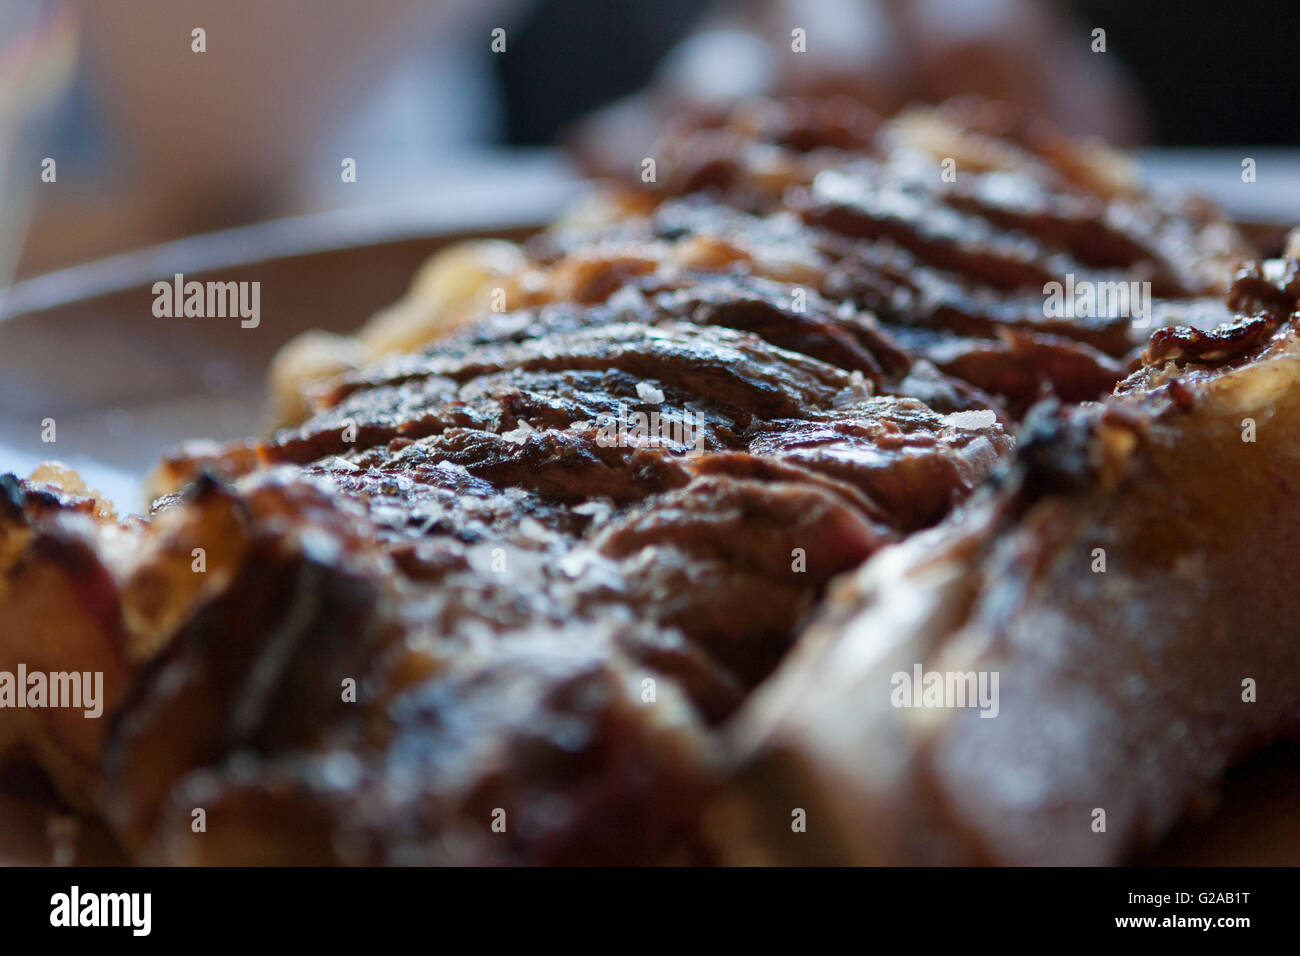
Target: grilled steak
1128 582
499 597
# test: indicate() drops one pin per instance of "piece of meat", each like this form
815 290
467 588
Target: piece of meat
498 597
411 558
1128 580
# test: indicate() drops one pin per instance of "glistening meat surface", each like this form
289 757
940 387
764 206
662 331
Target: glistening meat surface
504 592
1128 580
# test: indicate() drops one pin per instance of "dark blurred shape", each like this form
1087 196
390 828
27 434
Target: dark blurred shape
571 56
1212 72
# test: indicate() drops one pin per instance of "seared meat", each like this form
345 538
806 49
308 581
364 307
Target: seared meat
477 539
948 224
498 598
1129 583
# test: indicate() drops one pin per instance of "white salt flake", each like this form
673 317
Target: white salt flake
519 434
977 418
649 394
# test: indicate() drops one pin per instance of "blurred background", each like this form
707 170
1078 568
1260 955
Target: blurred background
153 139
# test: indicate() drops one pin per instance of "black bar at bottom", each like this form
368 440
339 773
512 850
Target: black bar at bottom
334 908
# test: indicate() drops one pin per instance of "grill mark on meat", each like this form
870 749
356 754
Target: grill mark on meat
856 206
1097 233
841 337
718 364
565 466
1127 232
893 284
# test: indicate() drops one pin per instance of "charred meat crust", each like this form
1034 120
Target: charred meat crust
1123 685
472 580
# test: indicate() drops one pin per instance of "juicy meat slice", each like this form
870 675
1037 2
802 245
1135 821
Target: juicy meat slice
916 465
499 549
247 713
717 363
1023 367
1129 584
729 560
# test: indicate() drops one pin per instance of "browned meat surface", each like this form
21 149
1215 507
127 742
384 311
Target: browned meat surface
505 597
1124 688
